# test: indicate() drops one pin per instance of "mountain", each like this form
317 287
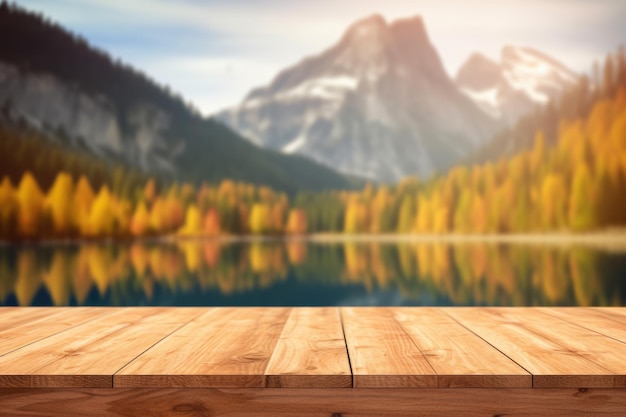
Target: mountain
513 87
378 104
55 82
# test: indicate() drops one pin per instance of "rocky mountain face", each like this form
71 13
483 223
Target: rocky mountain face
511 88
378 104
87 121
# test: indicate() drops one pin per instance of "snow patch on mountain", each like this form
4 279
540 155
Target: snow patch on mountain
487 99
294 145
326 88
523 79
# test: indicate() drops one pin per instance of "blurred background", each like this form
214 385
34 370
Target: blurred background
312 153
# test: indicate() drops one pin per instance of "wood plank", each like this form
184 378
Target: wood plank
88 355
33 324
458 356
315 402
311 351
15 316
557 353
591 319
381 353
614 313
225 347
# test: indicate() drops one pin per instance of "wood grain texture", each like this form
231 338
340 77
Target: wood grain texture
29 325
618 312
314 402
381 353
557 353
591 319
459 357
311 348
16 316
311 351
88 355
225 347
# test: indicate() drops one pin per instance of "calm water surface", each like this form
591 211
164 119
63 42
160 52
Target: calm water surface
301 273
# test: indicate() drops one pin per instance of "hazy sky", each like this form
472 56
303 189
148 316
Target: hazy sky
214 51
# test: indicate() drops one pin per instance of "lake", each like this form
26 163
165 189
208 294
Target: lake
308 273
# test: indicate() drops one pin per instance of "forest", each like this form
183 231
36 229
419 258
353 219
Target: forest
571 177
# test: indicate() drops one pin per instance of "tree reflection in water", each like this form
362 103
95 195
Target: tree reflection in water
211 272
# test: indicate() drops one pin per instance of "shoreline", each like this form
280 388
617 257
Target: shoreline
610 239
606 240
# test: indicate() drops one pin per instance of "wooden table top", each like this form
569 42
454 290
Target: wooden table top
335 347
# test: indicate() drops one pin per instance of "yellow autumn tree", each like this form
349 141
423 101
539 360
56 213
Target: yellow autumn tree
406 216
211 224
260 219
173 213
380 204
581 212
31 207
278 213
59 203
296 223
424 215
101 217
553 202
479 214
355 217
193 221
440 214
139 223
462 214
149 191
83 200
157 216
123 213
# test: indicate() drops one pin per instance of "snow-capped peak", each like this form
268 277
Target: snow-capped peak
377 104
366 29
522 79
537 75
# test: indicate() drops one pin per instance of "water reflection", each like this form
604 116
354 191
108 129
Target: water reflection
295 272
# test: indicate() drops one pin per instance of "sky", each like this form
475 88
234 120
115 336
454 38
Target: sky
213 52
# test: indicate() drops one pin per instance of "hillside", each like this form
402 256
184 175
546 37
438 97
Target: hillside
565 171
59 84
